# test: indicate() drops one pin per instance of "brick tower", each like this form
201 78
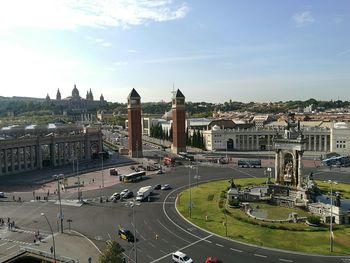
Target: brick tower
179 133
134 124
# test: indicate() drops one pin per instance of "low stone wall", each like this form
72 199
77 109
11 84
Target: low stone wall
288 220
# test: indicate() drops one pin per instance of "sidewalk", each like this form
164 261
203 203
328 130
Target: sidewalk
70 244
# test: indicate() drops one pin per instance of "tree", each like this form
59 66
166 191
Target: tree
112 253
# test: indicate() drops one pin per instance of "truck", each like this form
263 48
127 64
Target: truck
143 193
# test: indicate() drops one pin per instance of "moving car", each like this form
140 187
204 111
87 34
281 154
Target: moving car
160 172
115 196
124 192
181 257
166 187
128 195
213 260
2 194
157 187
126 235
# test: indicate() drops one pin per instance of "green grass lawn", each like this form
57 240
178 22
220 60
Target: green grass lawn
207 212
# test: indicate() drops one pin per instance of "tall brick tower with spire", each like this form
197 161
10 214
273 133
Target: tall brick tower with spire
179 118
134 124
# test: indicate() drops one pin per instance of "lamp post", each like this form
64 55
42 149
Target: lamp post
53 237
132 205
103 184
331 217
59 198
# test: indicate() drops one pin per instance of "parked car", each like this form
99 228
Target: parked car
166 187
2 195
126 235
115 196
213 260
160 172
157 187
128 195
181 257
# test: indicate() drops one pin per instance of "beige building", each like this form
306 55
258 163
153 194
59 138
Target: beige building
320 137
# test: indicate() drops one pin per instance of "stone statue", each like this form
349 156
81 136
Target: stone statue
337 200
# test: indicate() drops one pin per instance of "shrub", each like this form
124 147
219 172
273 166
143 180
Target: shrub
315 220
234 202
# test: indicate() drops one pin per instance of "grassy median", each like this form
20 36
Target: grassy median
209 203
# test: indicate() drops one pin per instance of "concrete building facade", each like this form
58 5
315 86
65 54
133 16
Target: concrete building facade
57 147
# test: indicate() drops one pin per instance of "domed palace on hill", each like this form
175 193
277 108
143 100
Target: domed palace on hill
81 109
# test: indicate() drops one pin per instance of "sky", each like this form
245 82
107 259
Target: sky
212 50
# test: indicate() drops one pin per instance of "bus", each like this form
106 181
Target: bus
133 177
337 161
249 163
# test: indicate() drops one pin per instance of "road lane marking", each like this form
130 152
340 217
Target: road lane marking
189 245
142 237
261 256
151 244
149 257
162 251
165 240
3 244
11 247
219 245
110 238
236 250
285 260
173 232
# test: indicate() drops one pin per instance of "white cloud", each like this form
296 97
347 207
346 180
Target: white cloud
132 51
71 14
303 18
99 41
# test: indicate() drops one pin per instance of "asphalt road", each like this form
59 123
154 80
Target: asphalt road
160 229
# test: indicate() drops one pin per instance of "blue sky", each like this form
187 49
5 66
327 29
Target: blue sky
212 51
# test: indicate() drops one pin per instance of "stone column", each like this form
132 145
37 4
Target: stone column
257 143
277 170
1 162
59 154
25 158
19 161
39 157
32 156
320 142
268 142
315 144
325 143
81 152
52 154
6 161
309 148
13 164
300 168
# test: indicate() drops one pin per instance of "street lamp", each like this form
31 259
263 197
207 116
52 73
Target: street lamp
132 205
53 237
103 184
58 177
331 237
189 188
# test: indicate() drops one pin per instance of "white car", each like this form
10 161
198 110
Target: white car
114 197
2 194
166 187
124 192
181 257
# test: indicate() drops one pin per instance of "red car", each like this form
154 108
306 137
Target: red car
213 260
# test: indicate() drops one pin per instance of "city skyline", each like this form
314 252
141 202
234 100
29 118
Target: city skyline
263 51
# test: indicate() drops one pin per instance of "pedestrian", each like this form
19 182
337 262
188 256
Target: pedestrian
33 194
51 249
13 224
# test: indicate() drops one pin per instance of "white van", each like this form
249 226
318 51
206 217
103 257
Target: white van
180 257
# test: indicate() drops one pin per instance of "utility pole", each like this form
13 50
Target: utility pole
59 199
